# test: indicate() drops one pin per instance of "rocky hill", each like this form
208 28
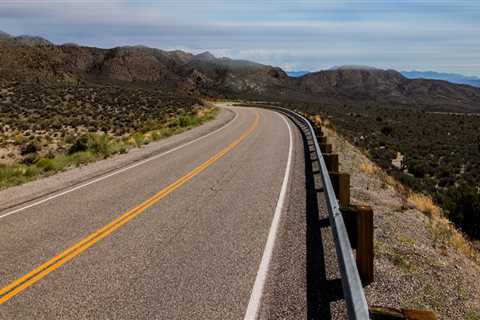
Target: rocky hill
388 87
37 60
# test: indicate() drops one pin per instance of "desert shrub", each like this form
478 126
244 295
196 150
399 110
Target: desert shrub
31 172
463 205
19 139
70 139
417 168
80 158
30 158
29 148
387 130
156 136
7 172
99 144
80 144
46 165
139 139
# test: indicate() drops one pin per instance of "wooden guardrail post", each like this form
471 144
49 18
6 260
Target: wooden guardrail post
359 223
331 161
365 243
341 186
325 147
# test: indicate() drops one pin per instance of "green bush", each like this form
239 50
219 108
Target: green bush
80 144
31 172
139 139
30 158
99 144
463 205
80 158
46 164
29 148
7 172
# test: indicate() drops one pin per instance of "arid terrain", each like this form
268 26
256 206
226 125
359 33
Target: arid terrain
421 261
433 153
48 128
412 147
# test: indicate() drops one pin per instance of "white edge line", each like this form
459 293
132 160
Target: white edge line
120 170
257 291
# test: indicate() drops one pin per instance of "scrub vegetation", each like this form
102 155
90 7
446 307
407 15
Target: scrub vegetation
421 260
434 154
45 129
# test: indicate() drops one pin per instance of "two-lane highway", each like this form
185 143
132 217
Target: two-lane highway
185 235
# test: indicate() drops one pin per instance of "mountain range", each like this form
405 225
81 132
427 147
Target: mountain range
33 59
450 77
433 75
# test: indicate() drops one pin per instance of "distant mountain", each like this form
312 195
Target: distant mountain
28 59
23 40
297 74
352 85
30 41
353 67
31 59
4 35
451 77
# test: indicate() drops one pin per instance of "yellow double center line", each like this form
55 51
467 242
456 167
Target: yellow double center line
41 271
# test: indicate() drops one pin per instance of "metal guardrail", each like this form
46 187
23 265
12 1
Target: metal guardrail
354 295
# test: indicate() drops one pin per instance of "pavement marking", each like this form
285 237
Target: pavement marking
38 273
81 186
257 291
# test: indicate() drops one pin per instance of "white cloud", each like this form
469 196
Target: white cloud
293 34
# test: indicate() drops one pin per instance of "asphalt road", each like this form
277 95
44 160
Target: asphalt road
211 230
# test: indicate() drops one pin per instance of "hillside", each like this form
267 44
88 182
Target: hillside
39 60
35 59
421 261
389 88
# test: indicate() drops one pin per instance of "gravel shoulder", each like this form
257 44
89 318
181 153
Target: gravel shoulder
415 266
22 194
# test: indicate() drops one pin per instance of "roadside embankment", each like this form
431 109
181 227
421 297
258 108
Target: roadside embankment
421 260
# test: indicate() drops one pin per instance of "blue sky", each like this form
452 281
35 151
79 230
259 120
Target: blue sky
436 35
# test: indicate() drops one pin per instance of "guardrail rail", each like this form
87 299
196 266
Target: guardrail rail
357 307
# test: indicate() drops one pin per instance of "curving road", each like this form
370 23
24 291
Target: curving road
211 227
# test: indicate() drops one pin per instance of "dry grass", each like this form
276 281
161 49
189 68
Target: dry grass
424 203
371 169
316 120
368 168
442 229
